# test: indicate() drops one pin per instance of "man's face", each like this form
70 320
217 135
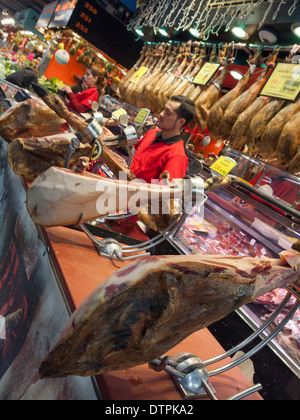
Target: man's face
168 119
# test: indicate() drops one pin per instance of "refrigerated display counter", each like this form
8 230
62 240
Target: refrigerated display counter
236 222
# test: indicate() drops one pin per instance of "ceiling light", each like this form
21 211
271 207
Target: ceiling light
139 32
194 32
240 32
163 32
296 29
236 75
268 36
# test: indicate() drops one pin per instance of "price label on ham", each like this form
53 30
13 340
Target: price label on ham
284 83
117 114
223 166
139 74
97 150
206 73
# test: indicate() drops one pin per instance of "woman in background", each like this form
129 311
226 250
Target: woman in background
95 84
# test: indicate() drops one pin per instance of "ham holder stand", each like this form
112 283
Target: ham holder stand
189 373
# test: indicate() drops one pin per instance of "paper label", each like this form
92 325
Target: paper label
284 83
139 74
206 73
223 166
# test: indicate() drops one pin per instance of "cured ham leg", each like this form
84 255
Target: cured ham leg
31 157
31 118
274 128
211 95
217 111
240 104
126 79
239 132
146 308
259 124
59 196
289 140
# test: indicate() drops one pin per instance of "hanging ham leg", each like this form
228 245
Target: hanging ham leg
289 140
259 124
211 95
240 104
274 128
126 79
146 308
217 111
239 132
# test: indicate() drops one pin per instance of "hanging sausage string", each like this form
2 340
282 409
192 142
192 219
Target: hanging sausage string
208 16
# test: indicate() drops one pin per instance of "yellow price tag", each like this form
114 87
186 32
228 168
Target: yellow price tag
223 166
117 114
139 74
206 73
142 115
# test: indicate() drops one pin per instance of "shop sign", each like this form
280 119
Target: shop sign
284 83
206 73
223 166
62 14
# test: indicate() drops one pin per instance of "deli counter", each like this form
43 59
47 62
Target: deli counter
235 221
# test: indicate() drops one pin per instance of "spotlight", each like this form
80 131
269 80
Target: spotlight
194 32
139 32
240 32
163 32
296 29
236 75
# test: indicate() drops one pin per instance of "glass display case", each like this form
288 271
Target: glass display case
260 219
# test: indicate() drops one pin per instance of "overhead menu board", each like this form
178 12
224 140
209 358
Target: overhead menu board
284 83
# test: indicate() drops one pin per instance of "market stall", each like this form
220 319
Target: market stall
245 227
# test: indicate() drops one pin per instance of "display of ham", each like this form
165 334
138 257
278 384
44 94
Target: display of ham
287 146
146 308
274 129
217 111
240 104
212 93
259 123
126 79
31 118
31 157
114 161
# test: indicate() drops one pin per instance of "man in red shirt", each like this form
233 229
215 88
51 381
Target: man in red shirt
162 149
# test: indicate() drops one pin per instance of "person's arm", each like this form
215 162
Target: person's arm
76 105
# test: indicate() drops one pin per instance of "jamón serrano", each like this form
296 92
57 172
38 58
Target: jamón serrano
289 140
211 95
31 157
274 128
146 308
240 104
259 124
239 133
31 118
